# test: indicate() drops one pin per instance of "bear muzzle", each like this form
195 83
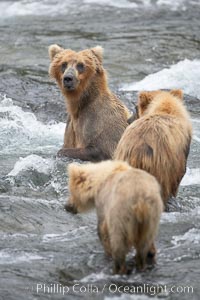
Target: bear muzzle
71 208
70 80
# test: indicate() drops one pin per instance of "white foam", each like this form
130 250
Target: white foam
128 4
32 162
196 130
174 5
192 177
184 75
192 236
21 131
22 199
62 7
15 256
115 3
6 236
101 276
93 277
173 217
195 121
196 138
179 217
63 237
35 7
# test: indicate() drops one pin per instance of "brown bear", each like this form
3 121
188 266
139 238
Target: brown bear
159 141
96 117
128 204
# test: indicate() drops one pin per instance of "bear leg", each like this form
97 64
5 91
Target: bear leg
87 154
151 255
104 237
119 256
120 266
141 257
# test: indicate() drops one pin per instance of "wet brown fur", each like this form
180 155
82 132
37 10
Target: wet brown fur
96 118
159 141
128 204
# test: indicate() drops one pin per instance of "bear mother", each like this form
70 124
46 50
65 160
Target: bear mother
96 118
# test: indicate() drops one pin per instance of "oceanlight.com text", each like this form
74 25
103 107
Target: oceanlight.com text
78 288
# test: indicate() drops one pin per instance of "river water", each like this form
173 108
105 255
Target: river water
148 45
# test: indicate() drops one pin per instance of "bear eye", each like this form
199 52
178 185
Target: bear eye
80 67
63 67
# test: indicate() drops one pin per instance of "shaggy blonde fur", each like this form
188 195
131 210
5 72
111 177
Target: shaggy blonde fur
128 204
86 180
159 141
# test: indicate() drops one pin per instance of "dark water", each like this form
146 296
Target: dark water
41 246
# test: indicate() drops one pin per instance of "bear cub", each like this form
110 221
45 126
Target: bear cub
128 205
159 141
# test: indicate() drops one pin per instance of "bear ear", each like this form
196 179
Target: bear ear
144 99
77 174
98 52
73 170
53 50
177 93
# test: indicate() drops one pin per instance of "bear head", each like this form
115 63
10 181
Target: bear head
74 71
85 181
81 188
146 97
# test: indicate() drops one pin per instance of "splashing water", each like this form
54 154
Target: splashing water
60 7
21 132
184 75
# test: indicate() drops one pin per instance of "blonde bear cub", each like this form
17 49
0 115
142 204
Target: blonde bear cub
159 141
128 205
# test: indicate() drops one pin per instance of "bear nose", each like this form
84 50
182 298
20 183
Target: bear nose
68 79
